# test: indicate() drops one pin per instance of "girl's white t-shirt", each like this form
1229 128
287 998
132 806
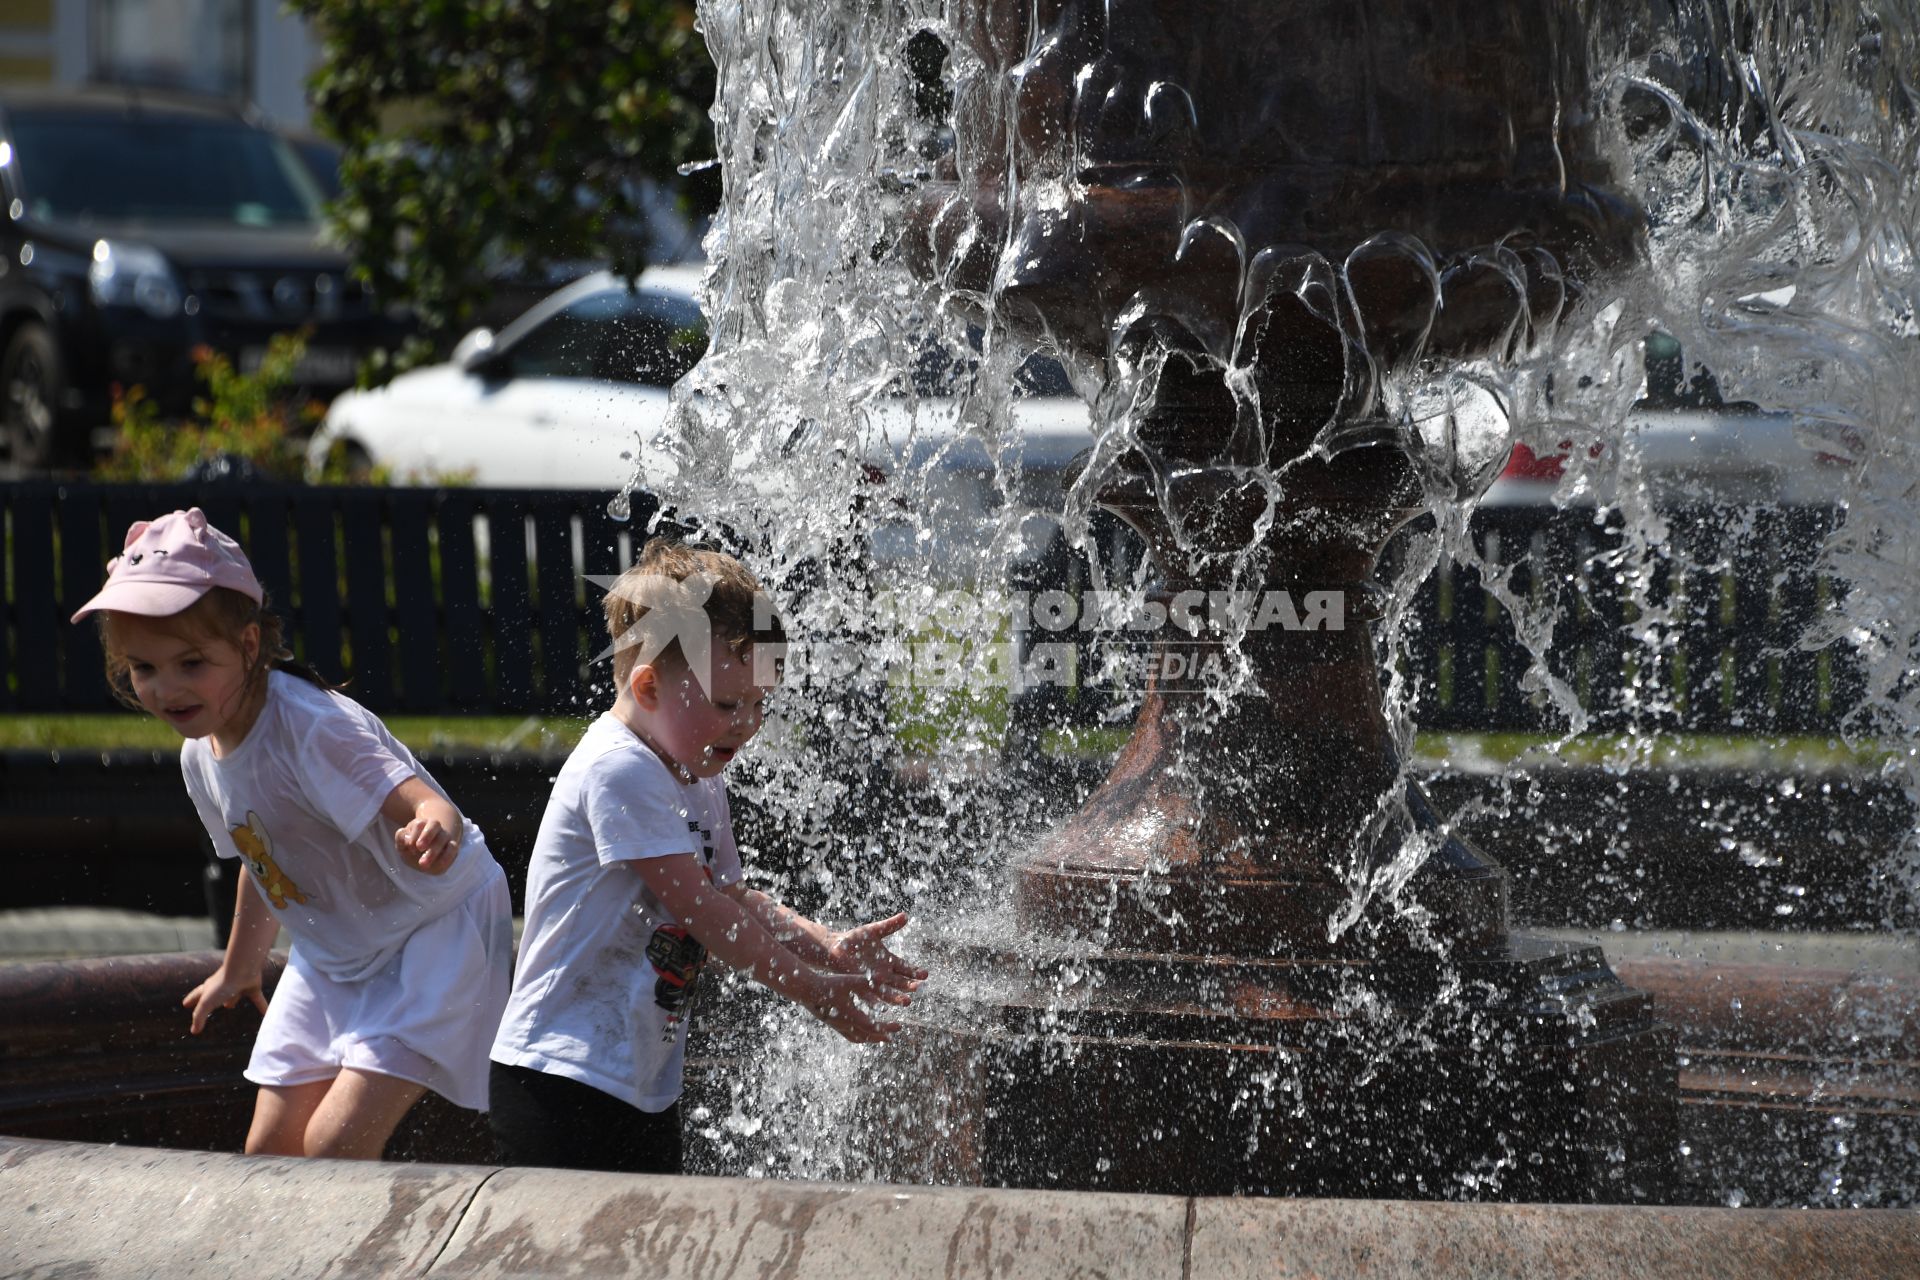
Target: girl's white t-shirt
299 800
607 977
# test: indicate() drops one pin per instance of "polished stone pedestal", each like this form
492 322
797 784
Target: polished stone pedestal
1525 1072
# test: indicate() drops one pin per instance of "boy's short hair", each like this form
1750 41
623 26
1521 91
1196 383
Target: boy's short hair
738 611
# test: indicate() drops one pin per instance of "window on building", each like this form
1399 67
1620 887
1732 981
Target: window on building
201 45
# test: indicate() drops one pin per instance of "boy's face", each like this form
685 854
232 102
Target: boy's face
700 730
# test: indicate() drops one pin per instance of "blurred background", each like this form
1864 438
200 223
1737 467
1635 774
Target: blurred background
245 50
218 219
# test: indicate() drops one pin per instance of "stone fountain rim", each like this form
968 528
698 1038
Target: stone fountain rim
122 1210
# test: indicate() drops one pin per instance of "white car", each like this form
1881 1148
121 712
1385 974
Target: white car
551 401
575 391
582 378
555 398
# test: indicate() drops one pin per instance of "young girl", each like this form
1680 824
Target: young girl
402 928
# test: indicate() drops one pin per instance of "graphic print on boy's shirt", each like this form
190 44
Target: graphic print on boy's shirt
677 956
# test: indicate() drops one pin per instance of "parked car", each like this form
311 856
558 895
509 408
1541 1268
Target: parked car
558 396
1689 445
551 401
139 226
664 233
583 377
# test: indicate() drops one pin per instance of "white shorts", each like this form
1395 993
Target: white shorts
428 1015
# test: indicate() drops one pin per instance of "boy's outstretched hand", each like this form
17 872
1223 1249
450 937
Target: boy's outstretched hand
835 998
863 950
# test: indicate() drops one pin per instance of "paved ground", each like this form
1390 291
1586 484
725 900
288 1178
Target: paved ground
59 933
65 933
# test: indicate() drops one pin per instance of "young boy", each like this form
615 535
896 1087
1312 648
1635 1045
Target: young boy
635 880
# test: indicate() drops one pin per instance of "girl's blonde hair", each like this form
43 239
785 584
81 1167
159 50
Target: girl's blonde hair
221 614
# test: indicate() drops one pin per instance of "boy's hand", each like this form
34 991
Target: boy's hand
835 999
222 991
430 845
863 950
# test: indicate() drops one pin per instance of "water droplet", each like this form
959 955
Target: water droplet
620 507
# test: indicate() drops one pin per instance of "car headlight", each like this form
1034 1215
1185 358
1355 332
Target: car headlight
133 275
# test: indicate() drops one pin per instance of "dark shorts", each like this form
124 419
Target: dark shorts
556 1123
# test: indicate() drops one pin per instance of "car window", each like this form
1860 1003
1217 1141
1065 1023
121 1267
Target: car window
649 338
935 371
1042 375
322 159
85 167
560 347
615 335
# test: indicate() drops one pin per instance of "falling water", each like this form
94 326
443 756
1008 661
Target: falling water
1772 149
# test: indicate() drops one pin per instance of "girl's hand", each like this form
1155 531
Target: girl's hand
834 999
223 991
427 828
863 950
430 845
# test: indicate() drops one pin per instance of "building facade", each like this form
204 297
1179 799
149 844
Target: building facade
247 50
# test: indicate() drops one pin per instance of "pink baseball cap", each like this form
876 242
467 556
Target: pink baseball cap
168 564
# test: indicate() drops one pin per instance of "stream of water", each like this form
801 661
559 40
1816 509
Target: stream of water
848 397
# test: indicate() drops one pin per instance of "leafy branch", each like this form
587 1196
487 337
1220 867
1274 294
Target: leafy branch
489 136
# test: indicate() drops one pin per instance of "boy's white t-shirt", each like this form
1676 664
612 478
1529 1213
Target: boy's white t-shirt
299 799
607 977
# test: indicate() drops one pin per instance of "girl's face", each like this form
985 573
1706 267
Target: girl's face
197 684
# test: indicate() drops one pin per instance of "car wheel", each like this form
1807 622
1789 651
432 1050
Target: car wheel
345 461
32 384
356 462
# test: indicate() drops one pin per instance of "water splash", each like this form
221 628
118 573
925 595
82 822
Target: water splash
1773 149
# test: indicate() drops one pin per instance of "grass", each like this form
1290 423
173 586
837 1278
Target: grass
927 724
109 730
1507 750
1656 751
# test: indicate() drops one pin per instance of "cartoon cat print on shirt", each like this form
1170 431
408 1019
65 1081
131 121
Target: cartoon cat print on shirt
256 846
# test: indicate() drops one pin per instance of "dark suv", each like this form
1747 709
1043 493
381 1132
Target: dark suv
138 226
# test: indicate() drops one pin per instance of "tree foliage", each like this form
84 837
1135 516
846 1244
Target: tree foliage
491 136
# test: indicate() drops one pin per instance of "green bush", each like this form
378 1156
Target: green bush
253 417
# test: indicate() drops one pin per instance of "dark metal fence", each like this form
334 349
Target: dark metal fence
1707 629
474 601
432 600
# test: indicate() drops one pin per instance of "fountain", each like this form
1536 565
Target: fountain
1249 247
1316 266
